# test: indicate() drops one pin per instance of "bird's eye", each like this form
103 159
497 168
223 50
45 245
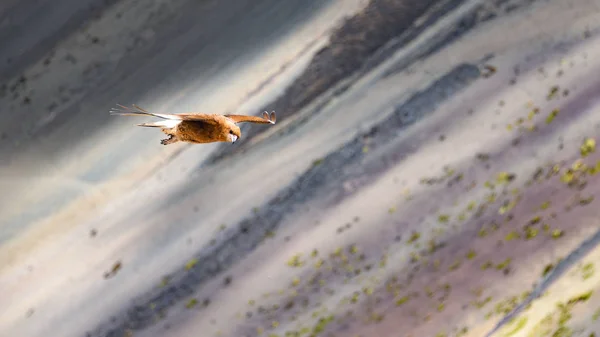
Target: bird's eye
231 132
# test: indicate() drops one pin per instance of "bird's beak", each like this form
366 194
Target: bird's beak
233 138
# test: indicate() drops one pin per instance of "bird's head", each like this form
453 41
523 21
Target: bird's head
234 133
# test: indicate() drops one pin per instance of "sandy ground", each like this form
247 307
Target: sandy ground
427 199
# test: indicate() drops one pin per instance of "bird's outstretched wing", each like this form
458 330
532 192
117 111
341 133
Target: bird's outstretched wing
135 110
265 119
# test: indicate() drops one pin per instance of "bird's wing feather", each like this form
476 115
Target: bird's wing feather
265 119
207 118
135 110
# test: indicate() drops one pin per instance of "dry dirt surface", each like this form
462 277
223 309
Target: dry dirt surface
443 186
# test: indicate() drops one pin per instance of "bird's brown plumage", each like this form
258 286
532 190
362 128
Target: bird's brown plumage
196 128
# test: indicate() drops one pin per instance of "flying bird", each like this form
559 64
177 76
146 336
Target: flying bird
195 128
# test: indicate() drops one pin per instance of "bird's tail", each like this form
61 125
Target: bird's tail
135 110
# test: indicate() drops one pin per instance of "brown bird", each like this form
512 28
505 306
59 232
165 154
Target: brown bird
196 128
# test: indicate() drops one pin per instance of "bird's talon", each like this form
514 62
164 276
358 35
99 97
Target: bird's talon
167 140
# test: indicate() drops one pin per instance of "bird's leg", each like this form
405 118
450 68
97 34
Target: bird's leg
168 140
